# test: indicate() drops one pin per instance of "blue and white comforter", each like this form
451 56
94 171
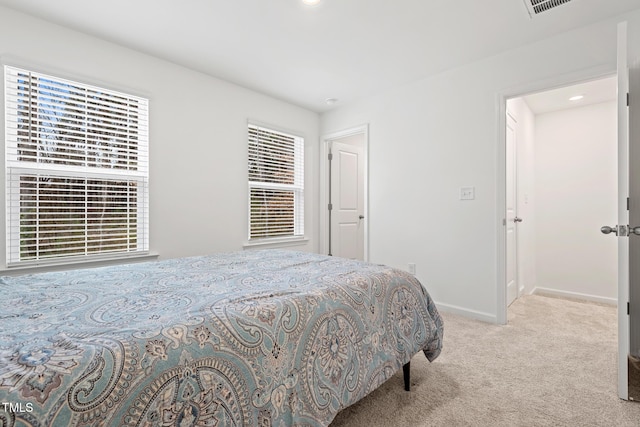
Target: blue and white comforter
253 338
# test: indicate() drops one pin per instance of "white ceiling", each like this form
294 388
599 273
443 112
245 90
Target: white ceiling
344 49
593 92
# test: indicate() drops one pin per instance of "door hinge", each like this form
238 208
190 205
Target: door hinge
330 156
627 99
628 308
330 207
628 202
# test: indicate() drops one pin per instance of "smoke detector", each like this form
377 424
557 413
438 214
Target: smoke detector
538 6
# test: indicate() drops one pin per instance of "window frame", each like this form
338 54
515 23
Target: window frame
16 168
297 188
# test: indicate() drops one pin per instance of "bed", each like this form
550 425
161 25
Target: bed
252 338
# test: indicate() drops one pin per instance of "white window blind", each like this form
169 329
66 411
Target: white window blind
77 170
276 184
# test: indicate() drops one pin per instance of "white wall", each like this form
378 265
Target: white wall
525 140
429 138
576 193
198 136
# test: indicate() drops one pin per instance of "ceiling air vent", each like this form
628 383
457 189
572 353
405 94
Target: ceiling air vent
538 6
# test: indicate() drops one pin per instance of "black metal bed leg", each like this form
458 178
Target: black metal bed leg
406 370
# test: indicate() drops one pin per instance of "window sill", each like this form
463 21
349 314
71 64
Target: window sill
41 267
276 243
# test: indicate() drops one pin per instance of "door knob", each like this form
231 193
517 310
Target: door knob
361 216
621 230
516 219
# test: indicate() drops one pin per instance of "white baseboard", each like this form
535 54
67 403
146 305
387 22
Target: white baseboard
472 314
492 318
574 296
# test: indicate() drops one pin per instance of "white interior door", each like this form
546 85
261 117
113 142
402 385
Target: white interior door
347 200
623 214
634 219
512 212
628 228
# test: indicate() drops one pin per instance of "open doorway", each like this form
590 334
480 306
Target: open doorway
561 169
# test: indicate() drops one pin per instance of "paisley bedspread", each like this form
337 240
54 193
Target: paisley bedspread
253 338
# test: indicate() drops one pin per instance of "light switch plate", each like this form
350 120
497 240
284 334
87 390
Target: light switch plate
467 193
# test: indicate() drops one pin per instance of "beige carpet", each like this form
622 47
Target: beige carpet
554 364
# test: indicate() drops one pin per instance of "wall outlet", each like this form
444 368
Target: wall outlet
467 193
412 268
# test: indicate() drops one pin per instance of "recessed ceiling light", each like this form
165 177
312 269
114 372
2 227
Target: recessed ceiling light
311 2
330 101
576 98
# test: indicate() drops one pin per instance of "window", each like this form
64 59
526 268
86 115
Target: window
76 170
276 184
